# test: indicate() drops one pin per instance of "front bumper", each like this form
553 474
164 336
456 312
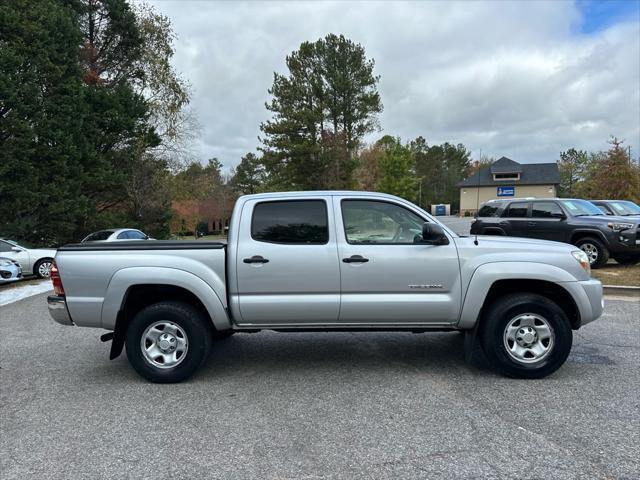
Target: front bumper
588 297
10 273
58 310
627 241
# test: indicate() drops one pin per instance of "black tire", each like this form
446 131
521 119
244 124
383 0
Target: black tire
494 325
602 252
629 259
217 336
40 263
196 331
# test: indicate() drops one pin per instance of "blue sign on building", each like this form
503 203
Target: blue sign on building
506 191
441 210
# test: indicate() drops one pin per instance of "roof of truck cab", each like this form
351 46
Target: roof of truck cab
318 193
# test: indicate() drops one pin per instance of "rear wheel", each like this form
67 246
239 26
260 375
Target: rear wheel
525 336
168 341
627 259
42 268
596 251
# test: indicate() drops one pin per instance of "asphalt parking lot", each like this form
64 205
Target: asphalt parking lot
316 405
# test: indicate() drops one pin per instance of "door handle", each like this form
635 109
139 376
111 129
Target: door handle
355 259
532 224
256 259
503 223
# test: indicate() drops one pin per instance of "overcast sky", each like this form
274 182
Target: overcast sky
525 79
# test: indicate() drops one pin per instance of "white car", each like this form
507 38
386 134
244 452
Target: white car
116 235
32 260
10 270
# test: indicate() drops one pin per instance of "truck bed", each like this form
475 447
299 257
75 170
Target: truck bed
97 275
143 245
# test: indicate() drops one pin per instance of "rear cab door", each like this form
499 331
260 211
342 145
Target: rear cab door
388 277
286 262
516 219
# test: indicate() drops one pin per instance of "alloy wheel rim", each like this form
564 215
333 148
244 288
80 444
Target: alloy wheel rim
164 344
591 250
44 269
529 338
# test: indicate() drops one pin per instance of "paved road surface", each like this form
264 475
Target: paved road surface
334 405
460 225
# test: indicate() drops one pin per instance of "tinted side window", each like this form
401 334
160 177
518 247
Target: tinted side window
123 235
101 235
518 210
489 210
545 210
5 247
135 235
300 221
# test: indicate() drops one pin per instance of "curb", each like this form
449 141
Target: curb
623 291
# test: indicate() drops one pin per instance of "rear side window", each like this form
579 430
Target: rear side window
135 235
291 222
490 210
101 235
518 210
546 210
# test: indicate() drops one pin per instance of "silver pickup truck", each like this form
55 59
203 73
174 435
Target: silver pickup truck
328 261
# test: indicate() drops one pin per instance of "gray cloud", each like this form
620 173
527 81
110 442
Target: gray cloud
511 79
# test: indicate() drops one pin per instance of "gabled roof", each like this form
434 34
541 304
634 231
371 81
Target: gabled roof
530 174
505 165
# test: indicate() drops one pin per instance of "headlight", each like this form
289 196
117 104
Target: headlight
619 226
5 263
583 260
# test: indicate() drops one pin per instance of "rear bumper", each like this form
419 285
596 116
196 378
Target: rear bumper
58 310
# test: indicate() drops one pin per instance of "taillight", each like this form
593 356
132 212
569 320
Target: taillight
58 289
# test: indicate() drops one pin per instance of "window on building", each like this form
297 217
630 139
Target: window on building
506 176
297 222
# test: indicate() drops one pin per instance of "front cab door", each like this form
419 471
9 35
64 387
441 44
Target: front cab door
387 276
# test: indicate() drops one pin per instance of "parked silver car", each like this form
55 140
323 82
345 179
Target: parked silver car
32 260
115 235
10 270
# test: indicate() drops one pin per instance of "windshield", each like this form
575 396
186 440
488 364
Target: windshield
624 207
579 208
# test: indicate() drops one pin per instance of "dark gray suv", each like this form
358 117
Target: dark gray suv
574 221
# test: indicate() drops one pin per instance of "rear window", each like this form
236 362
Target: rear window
518 210
291 222
490 210
102 235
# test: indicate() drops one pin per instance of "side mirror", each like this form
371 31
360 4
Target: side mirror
433 234
16 249
561 216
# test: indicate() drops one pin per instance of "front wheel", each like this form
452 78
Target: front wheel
595 250
168 341
525 336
